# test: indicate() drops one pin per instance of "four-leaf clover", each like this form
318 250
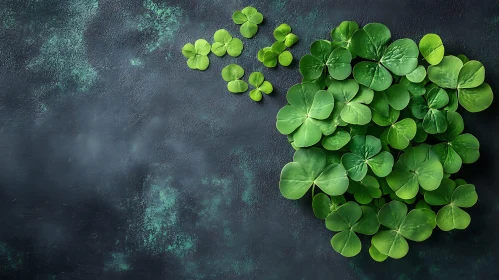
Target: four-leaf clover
309 167
400 57
306 105
225 43
197 54
249 17
454 197
366 151
257 80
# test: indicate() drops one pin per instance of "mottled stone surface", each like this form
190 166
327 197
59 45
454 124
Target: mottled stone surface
119 162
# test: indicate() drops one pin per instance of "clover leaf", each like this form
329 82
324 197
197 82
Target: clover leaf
417 225
257 80
400 134
322 204
351 98
225 43
432 48
322 57
269 56
418 75
336 141
458 148
309 168
473 93
417 166
306 105
231 74
350 219
365 190
430 109
197 54
454 197
342 35
283 34
400 57
249 18
396 96
366 151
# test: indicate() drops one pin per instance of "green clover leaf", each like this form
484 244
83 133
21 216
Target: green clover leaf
306 105
400 134
473 93
365 190
257 80
417 166
323 56
322 204
269 56
283 34
225 43
432 48
400 57
231 74
417 225
249 18
454 197
309 167
351 98
366 151
350 219
197 54
342 35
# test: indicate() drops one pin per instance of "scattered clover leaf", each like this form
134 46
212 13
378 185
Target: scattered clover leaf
197 54
432 48
232 74
225 43
283 34
269 56
365 150
309 168
349 219
306 105
257 80
417 225
249 18
454 197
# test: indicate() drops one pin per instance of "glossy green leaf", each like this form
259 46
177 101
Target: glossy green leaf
347 243
476 99
248 29
237 86
446 73
452 217
471 75
295 181
401 133
432 48
467 147
397 96
418 225
372 75
338 63
369 42
336 141
376 255
281 32
368 224
343 34
285 58
321 204
232 72
401 57
390 243
256 95
256 79
418 75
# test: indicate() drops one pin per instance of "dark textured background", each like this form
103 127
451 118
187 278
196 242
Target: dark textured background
119 162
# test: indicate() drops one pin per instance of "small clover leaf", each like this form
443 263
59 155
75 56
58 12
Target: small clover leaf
352 100
454 197
400 134
350 219
400 57
197 54
231 74
257 80
225 43
473 93
417 225
323 56
432 48
418 75
366 151
283 34
417 166
249 18
322 204
309 167
276 53
365 190
336 141
342 35
306 105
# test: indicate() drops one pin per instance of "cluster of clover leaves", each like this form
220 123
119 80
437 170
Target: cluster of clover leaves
359 121
224 43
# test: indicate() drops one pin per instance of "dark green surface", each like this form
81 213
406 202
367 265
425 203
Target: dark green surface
119 162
